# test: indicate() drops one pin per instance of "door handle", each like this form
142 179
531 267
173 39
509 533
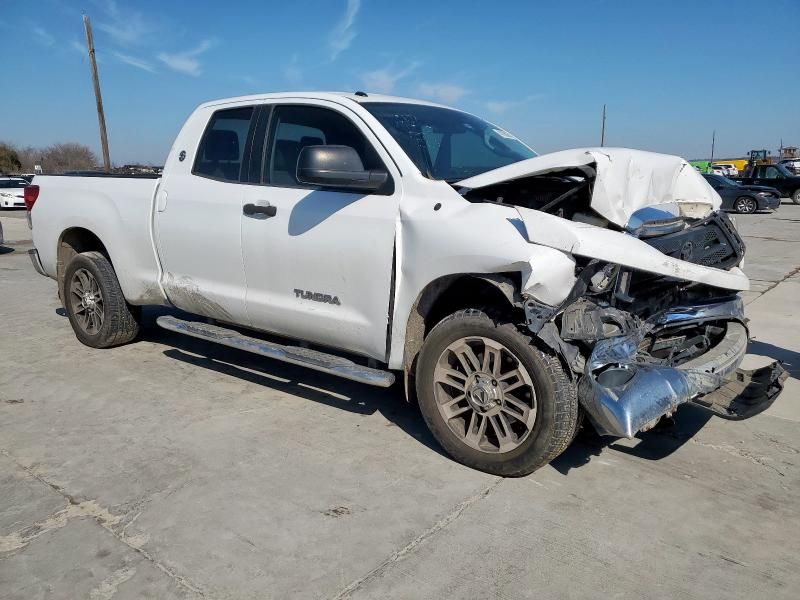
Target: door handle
266 209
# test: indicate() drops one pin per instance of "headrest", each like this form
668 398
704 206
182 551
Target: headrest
308 140
222 144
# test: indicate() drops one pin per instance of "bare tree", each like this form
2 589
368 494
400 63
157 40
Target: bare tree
29 157
54 159
9 159
67 157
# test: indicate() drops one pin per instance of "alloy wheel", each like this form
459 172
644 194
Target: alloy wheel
746 205
485 394
86 301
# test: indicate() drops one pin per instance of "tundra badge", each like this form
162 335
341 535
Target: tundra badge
317 297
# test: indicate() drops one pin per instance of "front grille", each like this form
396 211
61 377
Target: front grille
712 242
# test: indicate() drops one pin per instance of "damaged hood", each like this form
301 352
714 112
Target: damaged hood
626 180
582 239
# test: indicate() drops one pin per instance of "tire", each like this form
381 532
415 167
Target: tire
533 437
745 205
94 303
796 196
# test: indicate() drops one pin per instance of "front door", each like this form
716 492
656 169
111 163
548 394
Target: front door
198 220
319 262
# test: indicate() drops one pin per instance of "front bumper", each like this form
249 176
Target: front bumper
623 395
769 202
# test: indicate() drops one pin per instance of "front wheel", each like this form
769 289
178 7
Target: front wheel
796 196
494 401
94 302
745 205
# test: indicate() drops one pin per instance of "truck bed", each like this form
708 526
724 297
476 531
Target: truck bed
117 209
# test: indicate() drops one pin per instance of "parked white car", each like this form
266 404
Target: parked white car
730 169
11 192
511 292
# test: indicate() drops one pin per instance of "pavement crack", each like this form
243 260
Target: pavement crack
87 508
741 453
789 275
399 555
770 239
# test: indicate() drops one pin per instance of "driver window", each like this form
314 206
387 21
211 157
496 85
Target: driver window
295 127
772 173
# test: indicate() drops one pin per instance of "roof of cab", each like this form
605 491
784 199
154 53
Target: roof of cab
334 96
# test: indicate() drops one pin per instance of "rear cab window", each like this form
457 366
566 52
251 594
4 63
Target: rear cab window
222 147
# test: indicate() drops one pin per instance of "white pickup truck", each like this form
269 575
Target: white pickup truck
381 236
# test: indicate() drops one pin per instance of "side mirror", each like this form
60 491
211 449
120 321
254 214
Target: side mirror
337 167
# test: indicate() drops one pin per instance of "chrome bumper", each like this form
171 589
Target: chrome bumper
623 396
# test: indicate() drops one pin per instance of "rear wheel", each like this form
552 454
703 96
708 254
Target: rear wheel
94 302
745 205
796 196
491 399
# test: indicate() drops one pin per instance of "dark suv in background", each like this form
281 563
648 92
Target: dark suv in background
742 198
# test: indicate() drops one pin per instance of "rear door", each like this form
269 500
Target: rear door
319 262
198 216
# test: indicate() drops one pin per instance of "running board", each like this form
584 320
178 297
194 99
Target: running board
313 359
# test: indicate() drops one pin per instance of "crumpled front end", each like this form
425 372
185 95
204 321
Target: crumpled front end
641 343
632 372
646 310
625 389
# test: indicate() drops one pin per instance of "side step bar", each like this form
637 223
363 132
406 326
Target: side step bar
313 359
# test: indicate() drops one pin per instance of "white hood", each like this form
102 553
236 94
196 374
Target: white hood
626 181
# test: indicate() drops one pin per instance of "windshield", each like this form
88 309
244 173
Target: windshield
448 144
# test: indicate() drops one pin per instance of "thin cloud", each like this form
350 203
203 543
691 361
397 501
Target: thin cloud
135 62
125 27
449 93
500 107
344 33
383 81
186 62
43 36
77 46
292 71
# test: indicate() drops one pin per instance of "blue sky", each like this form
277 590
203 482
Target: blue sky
670 71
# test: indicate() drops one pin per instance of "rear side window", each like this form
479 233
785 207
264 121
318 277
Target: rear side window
222 147
295 127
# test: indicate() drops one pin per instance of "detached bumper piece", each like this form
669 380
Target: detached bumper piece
747 394
623 396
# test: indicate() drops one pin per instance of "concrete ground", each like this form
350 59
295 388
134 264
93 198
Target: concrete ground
172 468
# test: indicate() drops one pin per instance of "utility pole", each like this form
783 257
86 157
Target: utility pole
713 141
101 117
603 130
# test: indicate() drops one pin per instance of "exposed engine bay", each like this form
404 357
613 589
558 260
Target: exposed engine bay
567 194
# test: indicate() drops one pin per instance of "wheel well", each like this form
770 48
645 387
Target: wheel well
497 293
74 241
